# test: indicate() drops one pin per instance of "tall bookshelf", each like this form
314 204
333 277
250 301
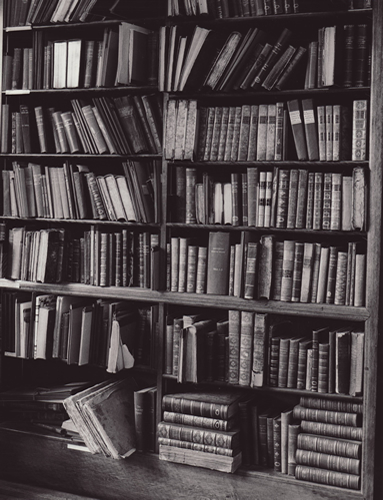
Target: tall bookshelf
168 302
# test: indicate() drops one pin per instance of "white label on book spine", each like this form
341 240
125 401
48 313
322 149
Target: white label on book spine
308 115
295 117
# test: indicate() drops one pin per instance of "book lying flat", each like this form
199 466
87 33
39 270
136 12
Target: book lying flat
200 458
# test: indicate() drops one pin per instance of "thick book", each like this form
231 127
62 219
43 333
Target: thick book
328 416
200 458
332 446
330 478
297 125
330 404
310 125
221 405
218 263
222 439
332 430
200 421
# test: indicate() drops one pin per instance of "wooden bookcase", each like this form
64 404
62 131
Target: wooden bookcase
20 447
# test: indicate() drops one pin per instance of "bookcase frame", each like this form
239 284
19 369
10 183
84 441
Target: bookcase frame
370 314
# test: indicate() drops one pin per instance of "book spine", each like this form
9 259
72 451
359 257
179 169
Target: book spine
327 416
234 343
293 198
329 462
260 345
198 435
359 130
331 478
321 444
282 199
297 271
287 270
173 403
293 433
323 365
191 179
246 347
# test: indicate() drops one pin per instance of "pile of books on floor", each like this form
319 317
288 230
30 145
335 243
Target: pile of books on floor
104 417
201 429
37 409
329 445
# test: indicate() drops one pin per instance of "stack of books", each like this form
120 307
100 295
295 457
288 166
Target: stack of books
201 429
329 447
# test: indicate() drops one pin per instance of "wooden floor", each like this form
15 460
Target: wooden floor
10 490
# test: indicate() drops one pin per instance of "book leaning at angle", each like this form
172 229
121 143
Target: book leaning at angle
104 417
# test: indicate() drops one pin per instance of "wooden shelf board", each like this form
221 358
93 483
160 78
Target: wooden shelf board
192 299
93 222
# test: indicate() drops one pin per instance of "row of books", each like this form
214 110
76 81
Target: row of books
93 257
351 68
249 349
282 198
125 55
325 361
201 429
26 12
254 8
74 192
286 270
209 60
226 9
63 11
22 13
123 125
297 129
110 334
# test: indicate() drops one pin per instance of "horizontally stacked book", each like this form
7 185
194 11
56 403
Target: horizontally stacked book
38 408
201 429
329 445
